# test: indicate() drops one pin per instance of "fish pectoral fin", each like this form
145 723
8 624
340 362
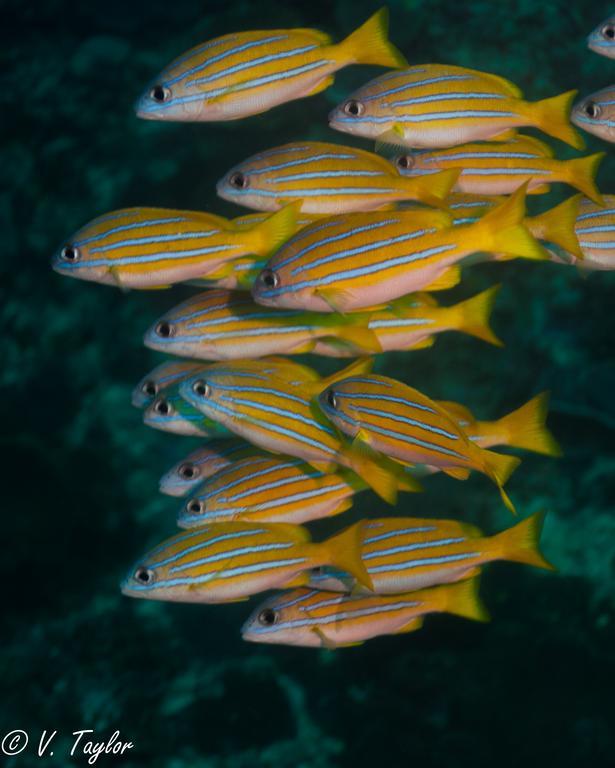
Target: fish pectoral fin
391 141
448 279
335 298
325 641
459 473
411 626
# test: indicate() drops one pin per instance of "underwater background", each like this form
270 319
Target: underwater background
80 472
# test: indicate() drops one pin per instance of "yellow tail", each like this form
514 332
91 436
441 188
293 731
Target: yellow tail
526 428
433 190
269 235
519 544
557 225
552 117
501 230
370 44
462 599
581 174
344 551
472 316
499 468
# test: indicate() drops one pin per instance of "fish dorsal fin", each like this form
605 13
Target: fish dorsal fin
457 411
533 145
322 38
510 89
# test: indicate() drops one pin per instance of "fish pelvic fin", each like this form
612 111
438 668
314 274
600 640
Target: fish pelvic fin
525 427
344 552
581 174
267 236
472 316
463 599
520 544
552 116
499 468
383 475
370 44
501 230
557 225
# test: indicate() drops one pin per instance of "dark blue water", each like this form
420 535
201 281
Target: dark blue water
80 472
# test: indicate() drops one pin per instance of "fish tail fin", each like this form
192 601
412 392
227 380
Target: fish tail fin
344 552
499 468
501 230
267 236
581 174
552 116
557 225
433 189
525 427
472 316
463 599
520 544
370 44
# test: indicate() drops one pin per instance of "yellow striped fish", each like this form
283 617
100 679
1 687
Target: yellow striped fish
414 321
274 489
402 554
169 412
309 617
525 427
162 377
225 562
246 73
203 463
225 325
596 115
602 39
595 230
499 169
397 421
556 225
156 247
367 259
439 105
265 411
327 179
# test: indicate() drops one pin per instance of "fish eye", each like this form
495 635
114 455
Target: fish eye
331 399
160 93
267 617
201 388
405 161
150 388
144 575
591 109
164 330
238 180
162 407
188 471
195 507
269 278
608 31
354 108
70 253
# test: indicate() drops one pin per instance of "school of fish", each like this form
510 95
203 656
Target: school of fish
343 254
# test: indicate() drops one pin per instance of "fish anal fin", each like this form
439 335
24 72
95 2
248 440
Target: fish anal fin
459 473
411 626
448 279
